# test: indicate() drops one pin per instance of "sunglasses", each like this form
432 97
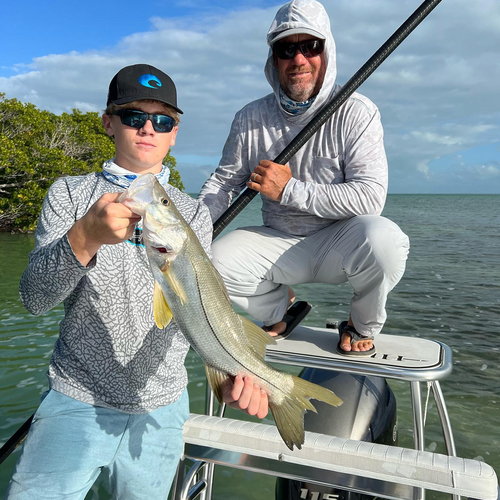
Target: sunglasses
308 48
137 119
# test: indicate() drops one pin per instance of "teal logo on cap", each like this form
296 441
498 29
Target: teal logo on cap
150 81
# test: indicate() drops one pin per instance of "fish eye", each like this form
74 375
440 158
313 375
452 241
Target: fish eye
165 202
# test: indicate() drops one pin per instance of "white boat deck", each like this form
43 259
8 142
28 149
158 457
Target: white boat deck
399 357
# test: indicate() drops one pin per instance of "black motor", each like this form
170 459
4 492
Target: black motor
367 414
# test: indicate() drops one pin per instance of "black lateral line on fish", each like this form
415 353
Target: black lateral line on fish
221 344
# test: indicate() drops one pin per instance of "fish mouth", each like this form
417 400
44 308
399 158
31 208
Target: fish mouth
134 205
139 193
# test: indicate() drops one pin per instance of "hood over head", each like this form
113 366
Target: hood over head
308 17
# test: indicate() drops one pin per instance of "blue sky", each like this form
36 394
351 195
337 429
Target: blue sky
438 93
57 26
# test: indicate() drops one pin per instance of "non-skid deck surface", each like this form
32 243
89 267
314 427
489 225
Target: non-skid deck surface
407 358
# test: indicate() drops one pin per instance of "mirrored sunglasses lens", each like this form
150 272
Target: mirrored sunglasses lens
133 118
163 123
137 119
285 50
311 48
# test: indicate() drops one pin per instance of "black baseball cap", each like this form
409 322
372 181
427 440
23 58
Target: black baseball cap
139 82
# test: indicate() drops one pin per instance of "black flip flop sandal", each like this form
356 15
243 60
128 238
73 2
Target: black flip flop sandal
294 315
355 336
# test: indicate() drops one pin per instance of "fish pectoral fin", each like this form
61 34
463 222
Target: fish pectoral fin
289 415
257 337
216 379
161 310
173 282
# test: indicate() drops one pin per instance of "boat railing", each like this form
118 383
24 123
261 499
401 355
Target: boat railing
373 469
368 468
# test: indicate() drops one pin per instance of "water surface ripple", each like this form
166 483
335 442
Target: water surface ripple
450 292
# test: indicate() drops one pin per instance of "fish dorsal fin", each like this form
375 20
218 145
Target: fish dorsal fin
258 338
216 379
161 311
173 282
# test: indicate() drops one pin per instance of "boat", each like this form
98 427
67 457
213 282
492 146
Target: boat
332 464
337 461
353 456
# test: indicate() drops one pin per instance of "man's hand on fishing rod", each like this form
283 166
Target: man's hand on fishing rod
270 179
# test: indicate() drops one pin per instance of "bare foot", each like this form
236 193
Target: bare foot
280 327
360 345
276 329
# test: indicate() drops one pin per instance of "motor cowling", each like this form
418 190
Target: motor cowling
368 413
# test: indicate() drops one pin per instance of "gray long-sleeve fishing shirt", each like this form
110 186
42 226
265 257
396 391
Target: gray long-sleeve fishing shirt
341 171
109 352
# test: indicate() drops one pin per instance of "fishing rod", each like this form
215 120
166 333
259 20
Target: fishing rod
310 129
302 137
16 438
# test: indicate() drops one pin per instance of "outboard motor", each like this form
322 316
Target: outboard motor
367 414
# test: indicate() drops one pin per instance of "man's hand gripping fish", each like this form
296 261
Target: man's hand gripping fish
189 289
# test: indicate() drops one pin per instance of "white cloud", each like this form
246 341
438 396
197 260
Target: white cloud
486 172
437 139
86 106
438 92
424 168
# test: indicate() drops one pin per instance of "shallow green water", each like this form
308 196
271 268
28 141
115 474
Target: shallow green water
450 292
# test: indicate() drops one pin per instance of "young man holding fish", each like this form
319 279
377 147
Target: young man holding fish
321 212
117 398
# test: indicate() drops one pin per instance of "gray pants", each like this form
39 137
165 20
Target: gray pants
258 263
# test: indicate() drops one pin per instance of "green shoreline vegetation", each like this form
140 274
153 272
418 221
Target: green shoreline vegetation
38 147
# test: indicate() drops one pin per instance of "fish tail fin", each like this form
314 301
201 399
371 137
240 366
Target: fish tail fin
289 414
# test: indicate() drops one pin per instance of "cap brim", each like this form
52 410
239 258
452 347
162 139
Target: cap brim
125 100
296 31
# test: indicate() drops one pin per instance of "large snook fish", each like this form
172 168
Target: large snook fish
190 290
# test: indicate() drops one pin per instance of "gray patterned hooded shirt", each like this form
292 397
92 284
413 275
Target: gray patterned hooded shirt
109 351
339 173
